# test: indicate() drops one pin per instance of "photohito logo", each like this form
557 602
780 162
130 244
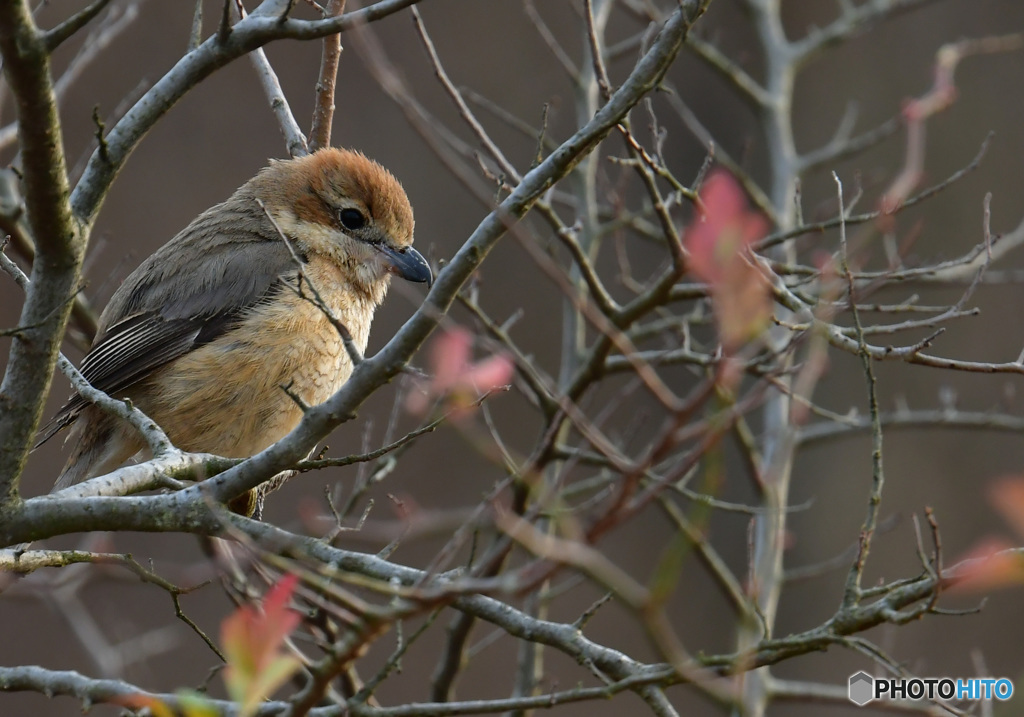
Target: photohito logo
863 688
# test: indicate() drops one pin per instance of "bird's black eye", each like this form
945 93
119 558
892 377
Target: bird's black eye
352 219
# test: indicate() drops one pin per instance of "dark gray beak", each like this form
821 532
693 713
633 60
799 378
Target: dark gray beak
408 264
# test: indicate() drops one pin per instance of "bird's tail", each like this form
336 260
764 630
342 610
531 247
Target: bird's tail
101 444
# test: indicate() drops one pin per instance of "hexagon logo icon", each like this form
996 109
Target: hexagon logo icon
861 688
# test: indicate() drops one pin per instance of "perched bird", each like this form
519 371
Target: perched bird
218 336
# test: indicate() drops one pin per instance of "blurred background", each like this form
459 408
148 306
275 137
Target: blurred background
222 132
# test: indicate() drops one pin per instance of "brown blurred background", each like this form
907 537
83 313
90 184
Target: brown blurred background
222 133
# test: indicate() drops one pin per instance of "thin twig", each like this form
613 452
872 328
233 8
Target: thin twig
323 106
853 582
295 141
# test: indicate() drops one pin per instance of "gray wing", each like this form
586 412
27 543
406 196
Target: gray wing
191 291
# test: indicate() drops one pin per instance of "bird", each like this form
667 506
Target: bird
230 329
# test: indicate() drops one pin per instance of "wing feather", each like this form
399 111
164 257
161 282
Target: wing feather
191 291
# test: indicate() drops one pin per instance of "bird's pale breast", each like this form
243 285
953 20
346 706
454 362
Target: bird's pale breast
237 395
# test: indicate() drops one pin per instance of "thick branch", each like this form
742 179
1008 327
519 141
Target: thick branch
59 242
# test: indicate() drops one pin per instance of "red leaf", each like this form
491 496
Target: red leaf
450 354
719 243
456 376
987 566
253 642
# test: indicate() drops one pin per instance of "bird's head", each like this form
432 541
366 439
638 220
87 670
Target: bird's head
341 204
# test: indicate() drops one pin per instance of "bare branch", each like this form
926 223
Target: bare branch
12 223
60 243
463 108
745 85
53 38
852 21
295 141
323 107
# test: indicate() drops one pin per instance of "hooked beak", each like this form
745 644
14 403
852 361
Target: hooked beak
408 264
